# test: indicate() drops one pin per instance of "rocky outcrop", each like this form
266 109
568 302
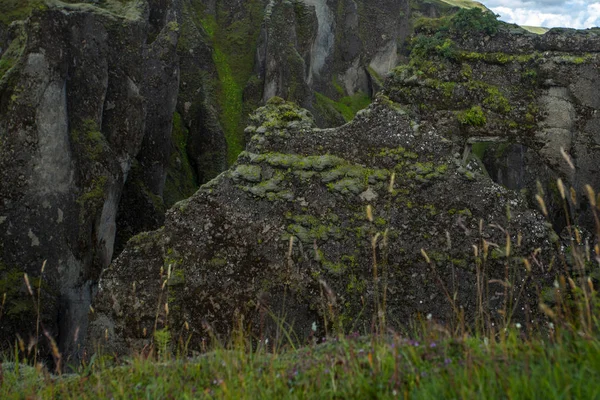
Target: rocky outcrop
286 233
112 112
524 102
328 56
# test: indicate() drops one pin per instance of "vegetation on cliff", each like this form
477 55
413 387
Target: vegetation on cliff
371 260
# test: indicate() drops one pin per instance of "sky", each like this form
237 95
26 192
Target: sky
548 13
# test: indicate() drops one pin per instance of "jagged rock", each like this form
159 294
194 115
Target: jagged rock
534 92
285 232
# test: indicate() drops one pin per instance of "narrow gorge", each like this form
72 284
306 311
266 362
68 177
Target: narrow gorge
220 156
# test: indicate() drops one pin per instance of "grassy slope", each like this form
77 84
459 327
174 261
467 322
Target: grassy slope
429 367
536 29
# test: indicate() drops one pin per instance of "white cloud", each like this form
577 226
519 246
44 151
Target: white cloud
549 13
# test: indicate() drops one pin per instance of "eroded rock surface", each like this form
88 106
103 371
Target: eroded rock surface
285 232
74 107
516 96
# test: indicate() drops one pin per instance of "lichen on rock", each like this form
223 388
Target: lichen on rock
290 216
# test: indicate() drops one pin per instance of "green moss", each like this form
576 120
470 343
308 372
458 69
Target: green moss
272 185
473 117
576 60
425 172
424 47
347 106
375 76
397 154
297 162
173 26
250 173
90 139
356 285
13 10
181 182
12 54
497 58
478 149
177 278
496 101
6 63
337 86
93 197
460 263
347 186
333 267
305 175
309 228
466 71
234 46
530 76
230 102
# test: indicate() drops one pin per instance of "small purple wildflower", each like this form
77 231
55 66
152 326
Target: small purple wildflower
433 345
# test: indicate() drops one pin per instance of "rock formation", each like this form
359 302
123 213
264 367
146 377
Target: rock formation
113 112
285 232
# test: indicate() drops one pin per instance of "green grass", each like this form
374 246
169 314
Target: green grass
535 29
234 48
13 10
432 365
465 4
347 106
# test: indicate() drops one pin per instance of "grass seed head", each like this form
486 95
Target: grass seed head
27 284
425 256
591 195
542 204
561 188
370 213
567 158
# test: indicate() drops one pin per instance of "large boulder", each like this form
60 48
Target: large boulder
285 234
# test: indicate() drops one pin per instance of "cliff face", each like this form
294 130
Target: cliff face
524 103
85 90
328 56
335 55
112 112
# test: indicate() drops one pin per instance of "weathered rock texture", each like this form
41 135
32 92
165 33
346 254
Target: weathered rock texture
329 56
285 232
83 94
521 98
111 112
